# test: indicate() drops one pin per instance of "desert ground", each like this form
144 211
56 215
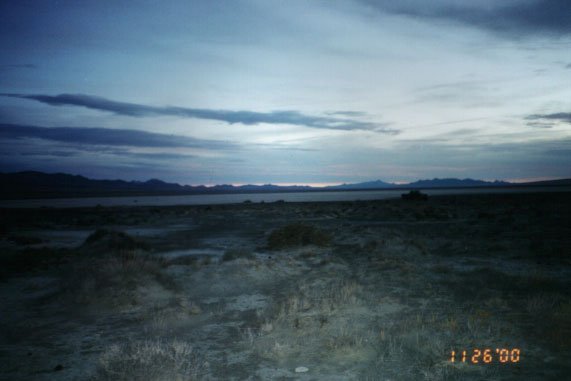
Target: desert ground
363 290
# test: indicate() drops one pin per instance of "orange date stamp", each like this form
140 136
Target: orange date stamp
486 356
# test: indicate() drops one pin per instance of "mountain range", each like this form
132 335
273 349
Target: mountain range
434 183
32 184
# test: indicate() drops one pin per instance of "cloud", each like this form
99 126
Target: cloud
539 124
282 147
347 113
568 66
109 137
514 17
18 66
467 93
228 116
63 151
548 120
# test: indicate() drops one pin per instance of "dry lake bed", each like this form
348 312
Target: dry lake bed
465 287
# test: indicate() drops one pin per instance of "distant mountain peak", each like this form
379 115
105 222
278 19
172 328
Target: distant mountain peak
424 183
34 184
154 181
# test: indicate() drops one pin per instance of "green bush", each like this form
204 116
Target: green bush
297 234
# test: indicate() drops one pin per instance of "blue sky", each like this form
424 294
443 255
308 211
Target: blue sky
305 92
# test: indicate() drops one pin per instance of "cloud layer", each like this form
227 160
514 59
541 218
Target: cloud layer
228 116
548 120
109 137
512 17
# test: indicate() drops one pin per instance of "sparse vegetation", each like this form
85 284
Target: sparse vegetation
399 287
233 254
114 281
560 327
297 234
151 360
105 241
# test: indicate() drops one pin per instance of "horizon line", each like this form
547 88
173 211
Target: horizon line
308 184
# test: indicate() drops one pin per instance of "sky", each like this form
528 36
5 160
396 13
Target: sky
287 92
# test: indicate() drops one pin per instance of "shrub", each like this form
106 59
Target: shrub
104 240
233 254
184 260
414 195
297 234
114 281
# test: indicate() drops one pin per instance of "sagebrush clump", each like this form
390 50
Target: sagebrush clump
104 241
297 234
233 254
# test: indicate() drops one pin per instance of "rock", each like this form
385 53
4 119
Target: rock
301 369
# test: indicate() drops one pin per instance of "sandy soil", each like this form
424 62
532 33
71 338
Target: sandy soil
386 292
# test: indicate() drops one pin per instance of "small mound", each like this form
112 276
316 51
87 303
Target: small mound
106 240
297 234
414 195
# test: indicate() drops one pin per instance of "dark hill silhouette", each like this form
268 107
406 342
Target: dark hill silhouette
32 184
434 183
451 182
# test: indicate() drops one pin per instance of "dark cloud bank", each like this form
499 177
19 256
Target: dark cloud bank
547 120
108 137
514 18
228 116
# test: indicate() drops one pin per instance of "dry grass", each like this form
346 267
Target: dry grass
558 329
165 316
297 234
233 254
423 342
105 241
321 299
151 360
114 281
315 318
537 305
190 260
